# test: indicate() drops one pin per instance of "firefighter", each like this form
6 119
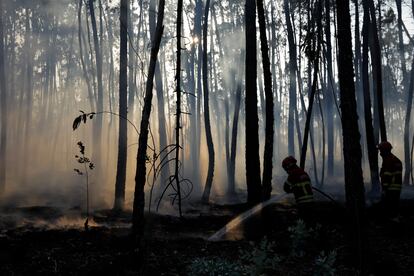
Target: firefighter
391 180
298 183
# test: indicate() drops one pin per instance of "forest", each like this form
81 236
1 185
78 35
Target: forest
203 137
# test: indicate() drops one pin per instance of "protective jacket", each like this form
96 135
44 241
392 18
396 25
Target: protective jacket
299 184
391 174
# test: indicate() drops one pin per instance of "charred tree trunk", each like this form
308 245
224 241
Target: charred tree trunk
401 49
292 79
123 104
209 138
407 158
372 152
354 183
329 91
162 132
314 84
178 107
98 62
254 193
268 149
376 67
140 177
233 147
3 106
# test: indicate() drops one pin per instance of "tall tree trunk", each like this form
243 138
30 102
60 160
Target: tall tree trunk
140 176
329 91
371 145
233 146
407 159
292 79
377 67
209 138
254 193
401 49
354 183
162 132
3 106
123 105
197 31
314 84
268 149
98 62
131 60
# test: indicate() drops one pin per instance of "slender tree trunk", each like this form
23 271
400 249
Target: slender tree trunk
354 183
254 193
209 138
98 62
268 149
372 152
131 61
401 49
314 84
3 106
162 132
292 79
377 67
407 158
123 104
140 177
329 91
233 146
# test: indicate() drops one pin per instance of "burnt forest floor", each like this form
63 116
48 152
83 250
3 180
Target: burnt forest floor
46 243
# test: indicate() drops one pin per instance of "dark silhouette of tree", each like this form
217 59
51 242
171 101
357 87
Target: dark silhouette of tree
354 184
98 62
178 107
209 138
293 67
3 106
162 132
268 149
123 105
369 129
140 176
254 193
313 55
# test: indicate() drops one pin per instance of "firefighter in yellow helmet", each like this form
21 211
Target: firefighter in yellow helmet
298 183
391 180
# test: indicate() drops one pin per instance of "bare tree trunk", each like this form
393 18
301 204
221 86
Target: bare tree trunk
329 91
123 106
314 83
3 106
178 107
268 150
98 61
292 79
354 183
372 152
401 49
407 158
162 132
233 147
254 193
209 138
140 176
377 67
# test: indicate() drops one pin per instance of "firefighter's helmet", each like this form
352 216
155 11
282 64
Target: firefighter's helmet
384 146
288 162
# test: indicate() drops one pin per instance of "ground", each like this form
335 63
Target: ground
47 240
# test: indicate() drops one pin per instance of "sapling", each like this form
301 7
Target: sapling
87 166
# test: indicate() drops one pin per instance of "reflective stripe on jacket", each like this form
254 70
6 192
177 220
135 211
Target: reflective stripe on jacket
299 184
391 173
